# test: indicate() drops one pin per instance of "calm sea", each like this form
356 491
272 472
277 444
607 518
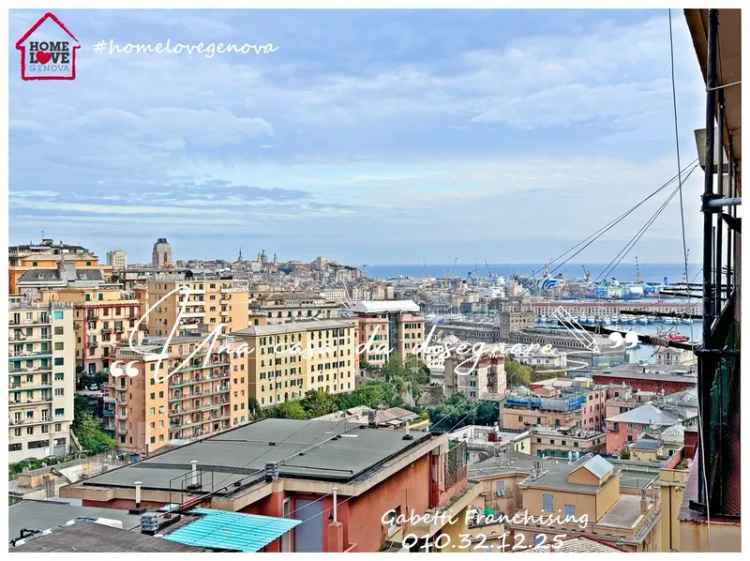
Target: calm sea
651 272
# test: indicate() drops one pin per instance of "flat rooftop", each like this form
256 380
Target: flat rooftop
84 537
385 306
43 515
624 514
319 450
635 372
294 327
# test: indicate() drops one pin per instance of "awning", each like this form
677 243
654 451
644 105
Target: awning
231 531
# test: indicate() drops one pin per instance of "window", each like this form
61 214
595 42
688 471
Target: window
569 510
500 488
547 502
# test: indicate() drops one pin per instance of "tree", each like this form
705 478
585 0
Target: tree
457 411
290 410
517 373
88 430
488 413
317 403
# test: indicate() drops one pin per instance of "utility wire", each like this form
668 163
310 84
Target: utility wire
591 238
677 150
615 262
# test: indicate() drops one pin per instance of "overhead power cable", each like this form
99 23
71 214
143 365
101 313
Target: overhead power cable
617 259
576 249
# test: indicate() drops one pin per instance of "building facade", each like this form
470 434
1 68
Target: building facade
41 379
406 328
207 302
103 321
49 264
117 259
169 396
481 379
287 309
286 361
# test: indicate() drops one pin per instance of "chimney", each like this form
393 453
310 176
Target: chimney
193 475
137 509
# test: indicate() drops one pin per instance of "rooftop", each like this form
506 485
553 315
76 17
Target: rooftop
231 531
509 461
320 450
646 414
89 537
293 327
624 514
43 515
555 475
651 372
385 306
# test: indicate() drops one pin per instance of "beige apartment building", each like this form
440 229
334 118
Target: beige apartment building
284 309
288 360
41 379
207 303
117 259
404 321
171 396
558 443
373 340
591 487
598 499
523 418
475 377
103 320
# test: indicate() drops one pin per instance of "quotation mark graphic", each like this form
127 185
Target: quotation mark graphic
126 370
630 341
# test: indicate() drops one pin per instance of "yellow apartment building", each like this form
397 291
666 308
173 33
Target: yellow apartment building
207 303
41 379
548 498
285 309
285 361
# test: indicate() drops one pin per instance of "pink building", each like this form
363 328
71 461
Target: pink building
625 428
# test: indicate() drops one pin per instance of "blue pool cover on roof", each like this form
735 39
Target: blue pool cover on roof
233 531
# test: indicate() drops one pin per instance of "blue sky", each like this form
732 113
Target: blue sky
370 137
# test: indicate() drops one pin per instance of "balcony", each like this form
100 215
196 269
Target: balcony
29 355
30 402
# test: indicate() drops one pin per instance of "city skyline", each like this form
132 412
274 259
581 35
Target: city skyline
369 137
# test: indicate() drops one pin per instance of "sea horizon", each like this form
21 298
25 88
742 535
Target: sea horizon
648 272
